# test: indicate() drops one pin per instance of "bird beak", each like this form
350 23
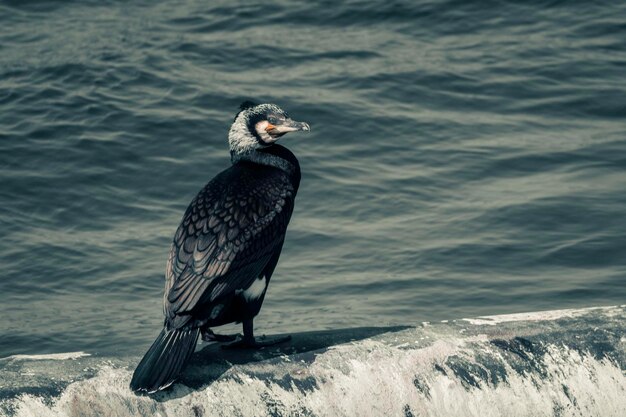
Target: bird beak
287 126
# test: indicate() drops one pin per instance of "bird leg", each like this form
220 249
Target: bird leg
209 336
249 342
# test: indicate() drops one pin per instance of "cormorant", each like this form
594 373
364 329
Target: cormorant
227 246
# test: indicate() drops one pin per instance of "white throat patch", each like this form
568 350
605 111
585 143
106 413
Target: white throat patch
260 130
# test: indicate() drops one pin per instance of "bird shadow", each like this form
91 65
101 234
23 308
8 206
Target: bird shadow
212 361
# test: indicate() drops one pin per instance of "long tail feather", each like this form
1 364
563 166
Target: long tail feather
165 360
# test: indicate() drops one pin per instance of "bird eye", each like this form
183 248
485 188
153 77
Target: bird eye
272 119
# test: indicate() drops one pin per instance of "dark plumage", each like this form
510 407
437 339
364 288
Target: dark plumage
229 234
227 245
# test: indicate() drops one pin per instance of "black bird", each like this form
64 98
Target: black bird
227 246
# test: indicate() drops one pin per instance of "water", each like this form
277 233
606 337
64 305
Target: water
465 158
546 364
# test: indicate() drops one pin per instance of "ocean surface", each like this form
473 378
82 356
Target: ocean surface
466 158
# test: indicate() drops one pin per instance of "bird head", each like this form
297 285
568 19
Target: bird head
259 126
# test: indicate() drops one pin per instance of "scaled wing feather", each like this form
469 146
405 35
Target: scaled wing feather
227 236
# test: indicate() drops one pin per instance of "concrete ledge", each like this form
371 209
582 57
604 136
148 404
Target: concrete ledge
557 363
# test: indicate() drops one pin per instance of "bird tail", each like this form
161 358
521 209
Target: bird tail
165 360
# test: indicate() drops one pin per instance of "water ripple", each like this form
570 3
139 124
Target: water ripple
464 160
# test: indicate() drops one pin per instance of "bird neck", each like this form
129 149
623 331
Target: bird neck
275 156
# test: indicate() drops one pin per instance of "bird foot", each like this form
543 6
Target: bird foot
255 343
209 336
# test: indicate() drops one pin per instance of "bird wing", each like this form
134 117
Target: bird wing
226 238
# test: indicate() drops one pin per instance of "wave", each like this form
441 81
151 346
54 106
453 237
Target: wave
562 363
46 357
